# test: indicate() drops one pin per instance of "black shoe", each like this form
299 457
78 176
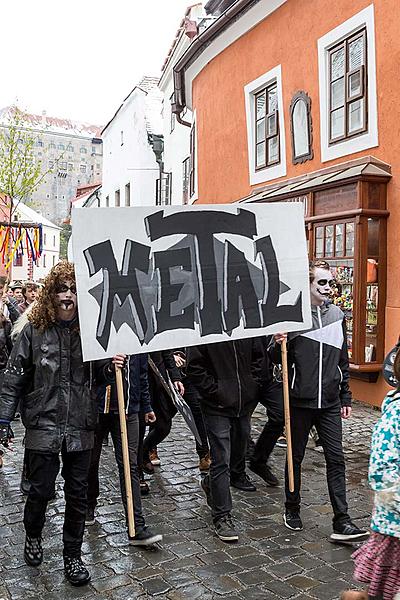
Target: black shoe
205 486
90 518
75 571
145 537
348 532
148 467
292 520
144 488
225 529
33 551
243 483
264 471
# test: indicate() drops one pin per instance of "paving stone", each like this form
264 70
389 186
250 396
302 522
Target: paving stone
285 569
254 577
224 584
282 589
110 583
302 582
156 586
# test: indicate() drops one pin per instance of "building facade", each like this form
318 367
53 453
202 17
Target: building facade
132 145
294 102
71 155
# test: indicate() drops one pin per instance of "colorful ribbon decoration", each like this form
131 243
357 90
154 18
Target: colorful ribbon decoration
15 241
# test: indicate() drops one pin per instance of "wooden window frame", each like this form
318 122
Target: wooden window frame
347 99
275 114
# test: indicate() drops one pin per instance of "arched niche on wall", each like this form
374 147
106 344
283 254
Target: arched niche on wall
301 128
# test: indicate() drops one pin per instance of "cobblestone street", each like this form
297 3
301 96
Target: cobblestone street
268 562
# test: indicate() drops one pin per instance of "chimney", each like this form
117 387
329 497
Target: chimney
44 121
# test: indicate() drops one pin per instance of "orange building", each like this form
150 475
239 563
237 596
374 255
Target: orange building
297 101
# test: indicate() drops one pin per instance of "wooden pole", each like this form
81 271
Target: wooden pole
288 433
125 452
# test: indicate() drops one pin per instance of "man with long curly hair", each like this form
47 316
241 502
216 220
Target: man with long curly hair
47 374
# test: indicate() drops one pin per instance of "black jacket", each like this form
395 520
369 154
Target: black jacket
227 375
47 374
318 361
136 388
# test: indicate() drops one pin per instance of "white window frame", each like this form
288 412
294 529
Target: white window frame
369 139
250 90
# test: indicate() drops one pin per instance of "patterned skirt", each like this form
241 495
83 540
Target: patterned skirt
377 563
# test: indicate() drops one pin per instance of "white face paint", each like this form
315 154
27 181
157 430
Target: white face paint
66 300
320 287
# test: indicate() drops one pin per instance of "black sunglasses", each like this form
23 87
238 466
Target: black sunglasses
330 282
63 288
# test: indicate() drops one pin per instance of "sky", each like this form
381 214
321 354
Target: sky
79 59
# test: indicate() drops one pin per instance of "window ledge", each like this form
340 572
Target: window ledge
368 372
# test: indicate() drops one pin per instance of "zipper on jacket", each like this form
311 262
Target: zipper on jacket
294 375
320 361
238 378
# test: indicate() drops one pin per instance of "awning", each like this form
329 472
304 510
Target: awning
362 168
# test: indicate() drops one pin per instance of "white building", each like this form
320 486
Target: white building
177 167
130 143
21 270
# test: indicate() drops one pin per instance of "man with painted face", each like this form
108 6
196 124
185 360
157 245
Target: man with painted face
320 396
47 374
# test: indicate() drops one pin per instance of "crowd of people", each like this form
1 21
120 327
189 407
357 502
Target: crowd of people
69 407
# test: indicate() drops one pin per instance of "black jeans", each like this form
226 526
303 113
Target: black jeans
109 423
272 398
228 441
43 470
328 423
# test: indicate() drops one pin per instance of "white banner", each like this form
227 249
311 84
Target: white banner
153 278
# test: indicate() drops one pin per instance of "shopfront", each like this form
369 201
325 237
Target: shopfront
346 220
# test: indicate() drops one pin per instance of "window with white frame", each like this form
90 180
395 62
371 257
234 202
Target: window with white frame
347 84
265 127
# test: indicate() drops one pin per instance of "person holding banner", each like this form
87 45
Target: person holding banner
227 376
47 374
320 395
138 401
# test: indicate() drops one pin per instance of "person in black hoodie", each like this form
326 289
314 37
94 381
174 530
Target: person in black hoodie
137 399
320 395
227 376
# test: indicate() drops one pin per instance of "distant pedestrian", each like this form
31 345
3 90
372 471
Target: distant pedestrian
29 292
377 562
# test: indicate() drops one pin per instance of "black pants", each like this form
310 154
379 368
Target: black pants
228 441
43 470
109 423
272 398
328 423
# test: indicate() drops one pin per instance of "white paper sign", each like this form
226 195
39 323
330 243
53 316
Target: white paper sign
154 278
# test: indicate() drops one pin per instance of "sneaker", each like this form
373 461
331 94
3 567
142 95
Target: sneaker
205 486
243 483
33 551
225 530
145 537
348 532
90 518
154 458
144 488
292 520
148 467
264 471
205 462
281 442
75 571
